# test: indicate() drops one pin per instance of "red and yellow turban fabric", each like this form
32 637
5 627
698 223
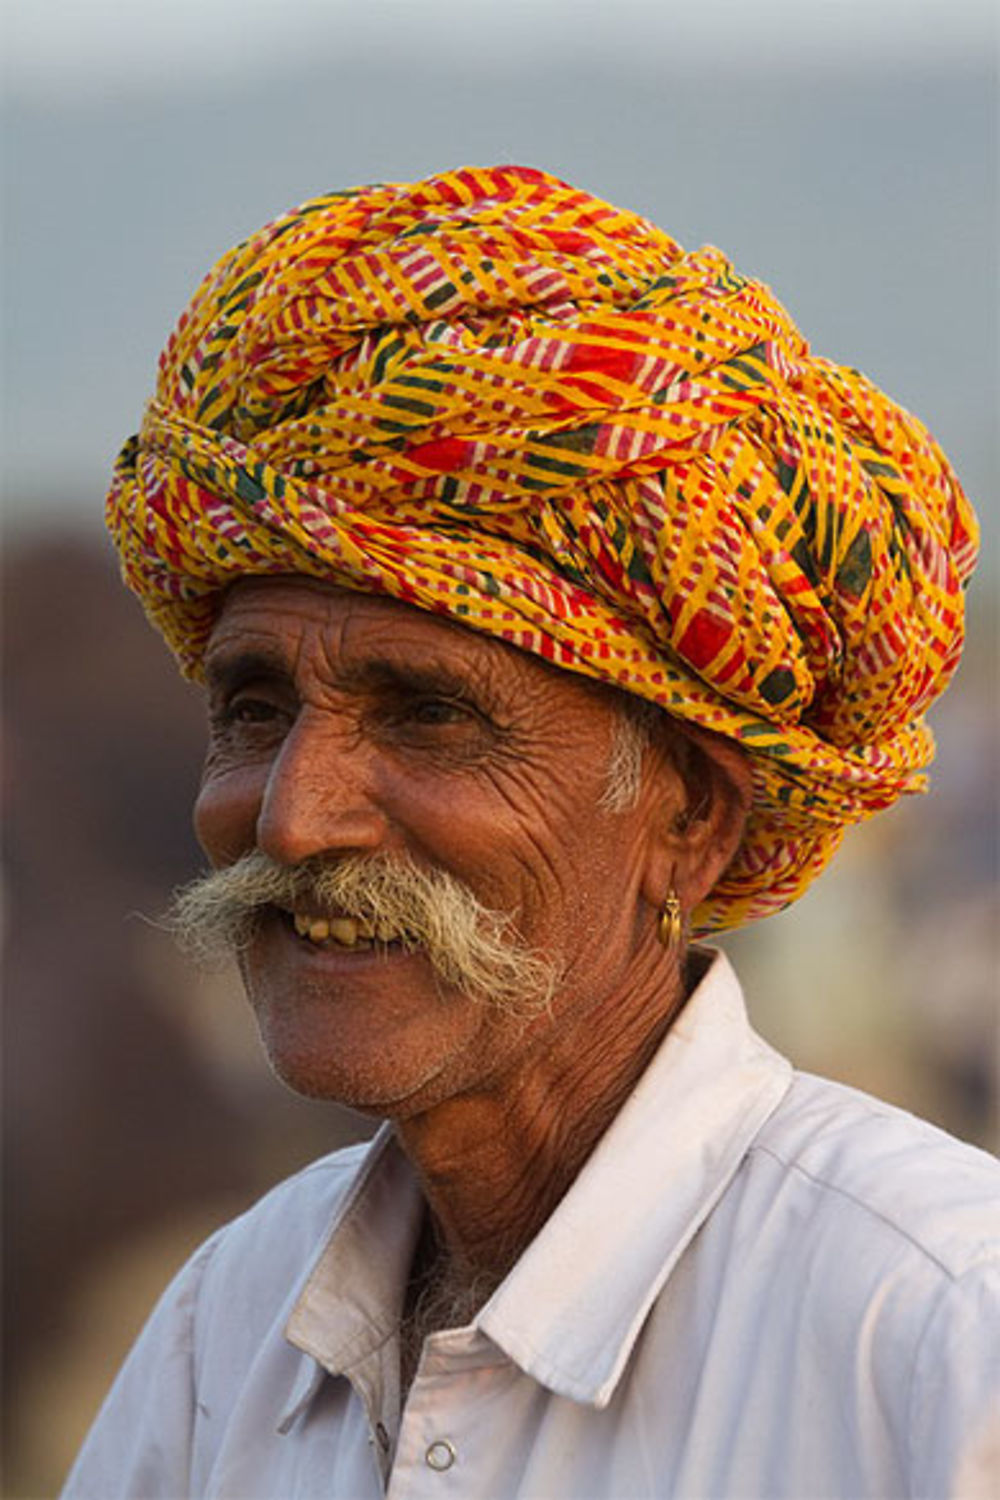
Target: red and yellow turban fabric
496 397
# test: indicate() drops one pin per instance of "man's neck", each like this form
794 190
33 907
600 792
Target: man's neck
439 1295
494 1165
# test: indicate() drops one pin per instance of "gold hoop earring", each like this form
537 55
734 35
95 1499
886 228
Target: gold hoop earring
671 928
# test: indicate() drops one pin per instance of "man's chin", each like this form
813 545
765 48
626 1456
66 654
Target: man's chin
350 1035
369 1091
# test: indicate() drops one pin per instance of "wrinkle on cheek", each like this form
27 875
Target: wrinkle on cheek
212 766
224 762
543 875
545 859
533 798
546 813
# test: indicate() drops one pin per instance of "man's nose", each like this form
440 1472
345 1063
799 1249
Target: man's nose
319 796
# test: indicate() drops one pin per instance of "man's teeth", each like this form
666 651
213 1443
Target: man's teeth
347 932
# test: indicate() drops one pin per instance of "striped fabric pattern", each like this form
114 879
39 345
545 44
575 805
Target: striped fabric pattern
493 396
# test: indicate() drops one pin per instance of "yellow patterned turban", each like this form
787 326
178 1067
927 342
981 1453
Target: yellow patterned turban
496 397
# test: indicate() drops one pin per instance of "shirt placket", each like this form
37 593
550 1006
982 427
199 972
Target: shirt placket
440 1452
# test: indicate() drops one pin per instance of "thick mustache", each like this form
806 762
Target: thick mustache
469 945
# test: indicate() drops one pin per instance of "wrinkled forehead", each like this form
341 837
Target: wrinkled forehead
298 622
249 603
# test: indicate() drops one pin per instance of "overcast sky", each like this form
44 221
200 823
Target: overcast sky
85 45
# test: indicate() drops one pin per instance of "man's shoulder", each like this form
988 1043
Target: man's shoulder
273 1244
301 1205
317 1185
860 1160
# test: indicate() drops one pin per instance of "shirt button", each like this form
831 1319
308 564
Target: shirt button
440 1455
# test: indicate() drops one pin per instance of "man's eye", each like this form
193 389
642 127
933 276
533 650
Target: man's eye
246 710
252 711
433 711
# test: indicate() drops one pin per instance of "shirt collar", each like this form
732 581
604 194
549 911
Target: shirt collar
650 1184
613 1240
352 1300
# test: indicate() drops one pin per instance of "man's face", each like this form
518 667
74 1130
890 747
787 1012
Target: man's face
343 724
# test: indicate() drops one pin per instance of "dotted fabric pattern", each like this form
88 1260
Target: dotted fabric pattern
495 397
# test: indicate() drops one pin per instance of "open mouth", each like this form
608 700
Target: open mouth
353 934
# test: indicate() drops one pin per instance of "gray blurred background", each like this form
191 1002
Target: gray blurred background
845 151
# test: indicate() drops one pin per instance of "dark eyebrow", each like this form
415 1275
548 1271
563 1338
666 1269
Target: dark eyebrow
228 671
405 678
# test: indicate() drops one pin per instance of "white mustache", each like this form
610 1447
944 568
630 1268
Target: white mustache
470 947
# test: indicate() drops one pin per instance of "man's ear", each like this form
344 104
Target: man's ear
704 811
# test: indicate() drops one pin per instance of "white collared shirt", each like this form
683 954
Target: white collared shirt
761 1284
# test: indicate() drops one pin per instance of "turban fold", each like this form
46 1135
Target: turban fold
493 396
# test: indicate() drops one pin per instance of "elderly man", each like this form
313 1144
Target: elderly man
554 604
